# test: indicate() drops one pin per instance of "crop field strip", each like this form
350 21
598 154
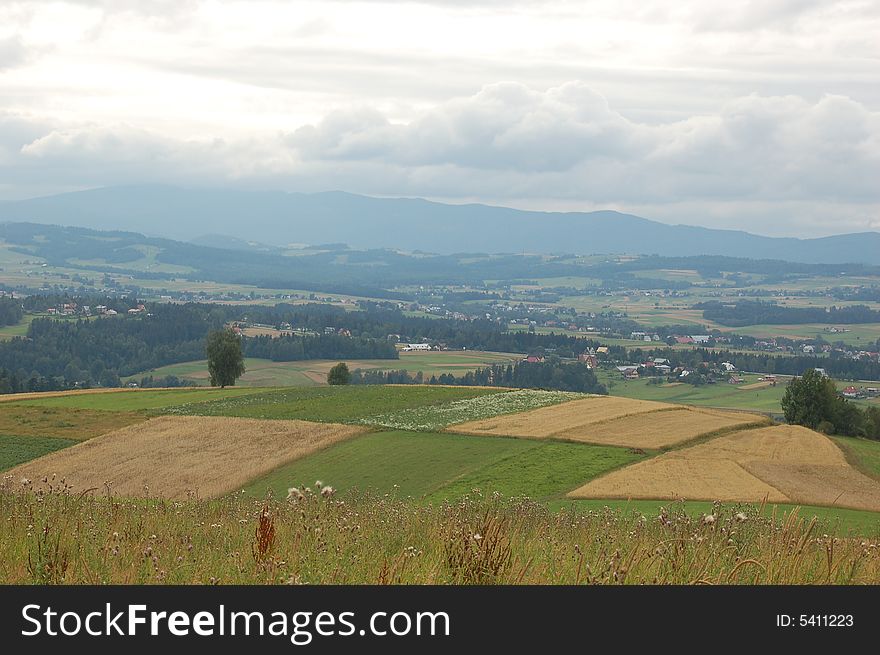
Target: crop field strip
437 417
127 399
173 456
614 422
542 422
342 404
15 450
782 463
59 422
445 466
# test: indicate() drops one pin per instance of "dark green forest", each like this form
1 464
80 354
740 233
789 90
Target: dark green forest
552 375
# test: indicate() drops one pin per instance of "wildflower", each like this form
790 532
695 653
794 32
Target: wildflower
741 517
327 491
319 484
294 494
709 519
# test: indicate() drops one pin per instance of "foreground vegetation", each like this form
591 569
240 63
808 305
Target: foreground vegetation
55 537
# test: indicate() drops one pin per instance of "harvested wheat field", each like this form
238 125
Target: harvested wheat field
613 421
32 395
547 421
173 456
782 463
754 385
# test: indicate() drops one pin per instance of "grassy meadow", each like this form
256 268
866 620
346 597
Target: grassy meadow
436 466
382 540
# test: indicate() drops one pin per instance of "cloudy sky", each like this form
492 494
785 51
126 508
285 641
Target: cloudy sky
761 115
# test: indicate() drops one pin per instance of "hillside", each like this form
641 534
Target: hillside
277 219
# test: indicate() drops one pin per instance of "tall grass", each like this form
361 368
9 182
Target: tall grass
53 536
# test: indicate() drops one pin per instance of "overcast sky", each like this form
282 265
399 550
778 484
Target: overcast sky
761 115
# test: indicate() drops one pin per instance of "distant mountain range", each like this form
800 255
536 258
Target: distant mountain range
246 219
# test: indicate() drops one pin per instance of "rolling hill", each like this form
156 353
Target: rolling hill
277 218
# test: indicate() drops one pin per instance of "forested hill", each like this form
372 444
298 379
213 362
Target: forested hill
278 219
335 268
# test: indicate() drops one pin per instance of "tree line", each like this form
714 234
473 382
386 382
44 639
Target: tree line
11 312
812 401
751 312
552 375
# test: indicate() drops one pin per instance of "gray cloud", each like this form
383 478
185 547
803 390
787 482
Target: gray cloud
12 53
777 147
564 147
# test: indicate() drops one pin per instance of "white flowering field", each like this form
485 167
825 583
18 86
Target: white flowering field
437 417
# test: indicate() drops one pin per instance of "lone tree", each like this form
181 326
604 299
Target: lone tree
225 359
339 374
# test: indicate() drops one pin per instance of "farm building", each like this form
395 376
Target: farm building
590 360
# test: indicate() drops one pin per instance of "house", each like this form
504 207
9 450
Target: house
658 361
602 350
850 392
734 380
534 359
590 360
728 367
821 371
632 375
417 346
663 369
701 338
684 340
808 350
110 312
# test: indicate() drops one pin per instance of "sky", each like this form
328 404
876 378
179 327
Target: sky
762 115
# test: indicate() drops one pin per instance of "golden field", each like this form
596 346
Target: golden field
177 456
546 421
782 463
613 421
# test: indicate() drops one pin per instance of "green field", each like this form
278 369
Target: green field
841 521
17 450
765 399
418 463
446 466
344 404
548 470
18 330
863 452
121 401
266 373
